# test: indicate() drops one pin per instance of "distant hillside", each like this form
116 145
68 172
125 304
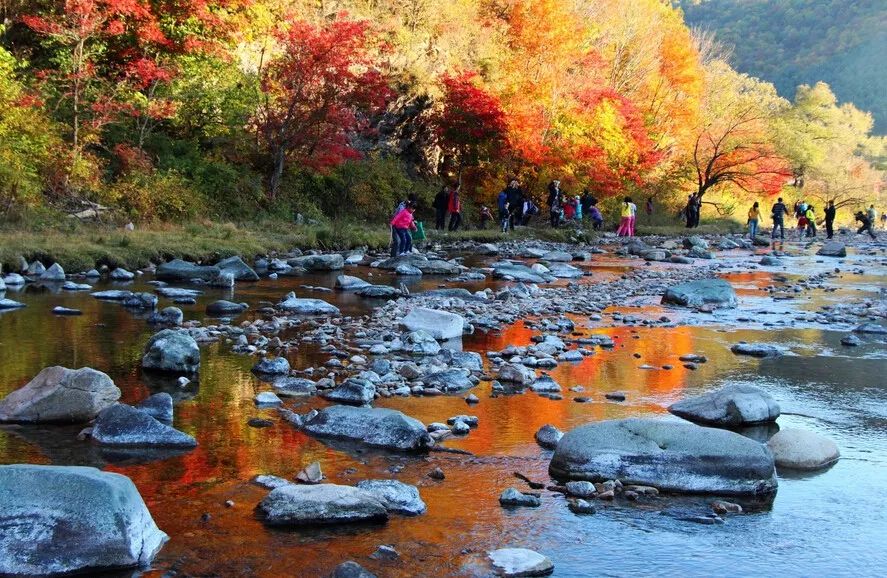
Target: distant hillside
792 42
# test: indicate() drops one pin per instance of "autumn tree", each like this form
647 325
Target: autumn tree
734 145
318 94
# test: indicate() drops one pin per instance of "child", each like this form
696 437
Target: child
485 216
402 223
597 219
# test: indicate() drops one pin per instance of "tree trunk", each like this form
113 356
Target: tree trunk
279 161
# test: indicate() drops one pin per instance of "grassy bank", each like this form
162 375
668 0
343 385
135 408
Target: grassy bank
80 246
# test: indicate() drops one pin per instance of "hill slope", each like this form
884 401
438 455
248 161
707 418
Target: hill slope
792 42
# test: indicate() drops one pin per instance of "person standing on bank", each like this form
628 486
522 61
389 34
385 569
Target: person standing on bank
830 212
754 215
515 198
810 215
440 208
587 200
777 213
454 206
554 202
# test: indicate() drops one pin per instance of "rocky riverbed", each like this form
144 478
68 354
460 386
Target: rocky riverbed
413 390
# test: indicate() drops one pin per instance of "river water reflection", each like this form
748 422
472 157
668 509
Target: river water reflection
830 524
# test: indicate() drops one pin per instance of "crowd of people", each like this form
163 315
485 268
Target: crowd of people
807 217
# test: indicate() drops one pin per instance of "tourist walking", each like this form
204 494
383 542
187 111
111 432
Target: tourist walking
402 223
872 214
634 217
624 229
502 207
778 213
810 216
754 215
830 212
454 206
440 208
515 197
586 201
554 202
866 224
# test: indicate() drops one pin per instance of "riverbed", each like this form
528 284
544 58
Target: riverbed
829 523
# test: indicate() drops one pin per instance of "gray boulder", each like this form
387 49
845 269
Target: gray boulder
120 274
376 427
10 304
422 343
518 273
353 391
832 249
35 269
565 271
223 308
146 301
397 497
514 497
470 360
294 387
72 519
126 426
14 280
715 292
438 267
408 270
557 256
544 384
159 406
770 261
323 504
54 273
112 295
520 562
172 351
871 328
59 394
515 373
167 316
273 366
293 304
548 436
351 569
730 406
349 283
673 456
236 267
440 324
448 380
756 349
695 241
179 270
333 262
797 449
378 292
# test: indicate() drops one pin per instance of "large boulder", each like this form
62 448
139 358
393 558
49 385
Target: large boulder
798 449
178 270
125 426
440 324
756 349
378 292
350 283
555 256
323 504
332 262
59 394
159 406
272 366
448 380
172 351
522 273
730 406
520 562
67 519
377 427
10 304
353 391
293 304
672 456
715 292
438 267
54 273
236 267
832 249
516 373
223 308
396 496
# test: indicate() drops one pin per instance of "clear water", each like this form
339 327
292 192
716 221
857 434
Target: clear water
828 524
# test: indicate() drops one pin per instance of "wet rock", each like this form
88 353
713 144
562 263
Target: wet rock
768 261
353 391
448 380
695 242
564 271
679 457
14 280
222 308
580 506
272 366
408 270
440 324
159 406
146 301
517 273
681 260
654 255
331 262
799 449
59 394
294 386
172 351
731 406
10 304
45 531
557 256
179 270
311 474
756 349
514 497
544 384
267 399
35 269
581 489
351 569
258 422
124 425
59 310
174 293
714 292
699 253
851 340
470 360
167 316
54 273
514 373
761 241
385 552
378 292
548 436
832 249
377 427
120 274
422 343
293 304
397 497
871 328
615 396
323 504
520 562
349 283
239 270
722 507
436 474
270 482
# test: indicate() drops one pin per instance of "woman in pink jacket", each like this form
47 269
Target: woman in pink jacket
402 223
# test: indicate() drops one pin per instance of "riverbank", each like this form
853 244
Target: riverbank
80 246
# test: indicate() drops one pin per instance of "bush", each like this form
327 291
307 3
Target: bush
155 196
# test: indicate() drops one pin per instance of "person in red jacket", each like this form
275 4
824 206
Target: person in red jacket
402 223
454 207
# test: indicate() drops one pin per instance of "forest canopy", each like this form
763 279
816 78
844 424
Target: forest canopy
167 110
